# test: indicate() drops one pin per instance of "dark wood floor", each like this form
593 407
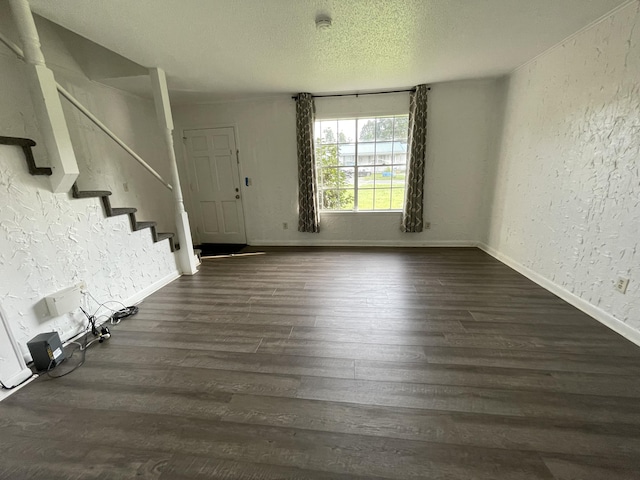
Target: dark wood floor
440 364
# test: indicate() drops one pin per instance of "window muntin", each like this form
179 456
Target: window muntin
361 163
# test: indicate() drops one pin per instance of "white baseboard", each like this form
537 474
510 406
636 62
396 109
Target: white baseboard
6 393
361 243
72 335
154 287
17 378
600 315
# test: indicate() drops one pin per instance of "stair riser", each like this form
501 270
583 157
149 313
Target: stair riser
26 144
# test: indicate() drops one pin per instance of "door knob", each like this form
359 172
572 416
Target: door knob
237 196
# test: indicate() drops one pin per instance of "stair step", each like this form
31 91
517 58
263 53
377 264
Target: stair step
164 236
22 142
91 193
143 225
122 211
112 212
168 236
26 144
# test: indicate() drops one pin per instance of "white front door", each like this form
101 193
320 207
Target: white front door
215 185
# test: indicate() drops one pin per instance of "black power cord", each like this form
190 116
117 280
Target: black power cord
100 335
117 316
82 347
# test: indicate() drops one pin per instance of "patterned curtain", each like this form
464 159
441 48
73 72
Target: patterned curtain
308 220
412 215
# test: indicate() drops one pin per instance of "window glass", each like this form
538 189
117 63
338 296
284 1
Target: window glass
361 163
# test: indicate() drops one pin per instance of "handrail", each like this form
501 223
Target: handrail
18 51
12 46
113 136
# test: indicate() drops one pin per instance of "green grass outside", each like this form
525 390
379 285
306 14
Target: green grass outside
380 199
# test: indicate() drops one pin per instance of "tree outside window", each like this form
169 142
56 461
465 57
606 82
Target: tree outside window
361 163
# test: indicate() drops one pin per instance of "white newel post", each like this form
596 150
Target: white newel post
46 102
186 257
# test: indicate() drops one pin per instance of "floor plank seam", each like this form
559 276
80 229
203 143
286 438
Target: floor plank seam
320 363
330 433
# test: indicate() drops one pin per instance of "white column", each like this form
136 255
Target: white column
46 102
186 257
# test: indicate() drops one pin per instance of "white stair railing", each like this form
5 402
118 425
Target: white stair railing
74 101
60 140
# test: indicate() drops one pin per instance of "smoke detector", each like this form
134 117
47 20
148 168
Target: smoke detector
323 22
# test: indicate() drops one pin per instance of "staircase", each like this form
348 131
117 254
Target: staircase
109 211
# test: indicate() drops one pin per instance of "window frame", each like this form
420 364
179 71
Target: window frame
356 166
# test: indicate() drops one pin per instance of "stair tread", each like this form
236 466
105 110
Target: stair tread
22 142
91 193
165 235
122 211
26 144
143 225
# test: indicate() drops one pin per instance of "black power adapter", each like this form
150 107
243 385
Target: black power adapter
46 350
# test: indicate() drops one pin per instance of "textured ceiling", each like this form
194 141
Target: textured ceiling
213 49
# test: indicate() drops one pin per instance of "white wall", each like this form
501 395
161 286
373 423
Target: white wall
50 241
461 121
567 190
103 164
106 166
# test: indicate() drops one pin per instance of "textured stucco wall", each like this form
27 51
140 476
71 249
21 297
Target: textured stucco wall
102 163
567 189
49 242
461 119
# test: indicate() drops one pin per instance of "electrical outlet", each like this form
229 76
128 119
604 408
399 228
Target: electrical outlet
427 225
285 226
622 284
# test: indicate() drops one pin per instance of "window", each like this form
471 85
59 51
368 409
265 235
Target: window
362 163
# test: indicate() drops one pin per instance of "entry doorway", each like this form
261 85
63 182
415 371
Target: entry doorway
212 159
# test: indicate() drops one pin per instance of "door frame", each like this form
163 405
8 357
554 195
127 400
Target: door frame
188 168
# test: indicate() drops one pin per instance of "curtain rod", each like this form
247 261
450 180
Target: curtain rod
295 97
